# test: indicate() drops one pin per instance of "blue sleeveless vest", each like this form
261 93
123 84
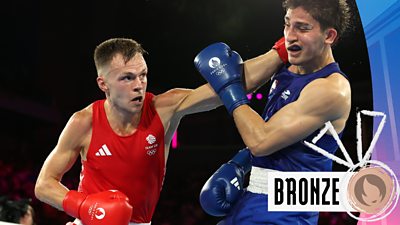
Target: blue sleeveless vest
286 88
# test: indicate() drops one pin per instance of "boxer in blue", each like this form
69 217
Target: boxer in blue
307 92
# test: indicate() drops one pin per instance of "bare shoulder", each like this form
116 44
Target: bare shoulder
330 96
167 105
330 88
82 119
78 129
339 82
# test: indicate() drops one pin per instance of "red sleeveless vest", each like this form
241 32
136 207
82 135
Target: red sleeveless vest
133 164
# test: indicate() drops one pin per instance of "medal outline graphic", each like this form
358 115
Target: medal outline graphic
363 161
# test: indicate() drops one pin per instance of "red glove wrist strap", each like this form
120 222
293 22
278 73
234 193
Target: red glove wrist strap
281 49
72 202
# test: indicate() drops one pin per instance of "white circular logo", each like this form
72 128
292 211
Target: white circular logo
373 190
214 62
100 213
150 139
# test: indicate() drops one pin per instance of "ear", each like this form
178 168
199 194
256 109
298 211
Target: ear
101 83
330 36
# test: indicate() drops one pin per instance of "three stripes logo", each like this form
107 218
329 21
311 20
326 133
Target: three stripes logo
103 151
235 183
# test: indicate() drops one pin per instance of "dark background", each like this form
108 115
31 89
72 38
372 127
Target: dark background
47 73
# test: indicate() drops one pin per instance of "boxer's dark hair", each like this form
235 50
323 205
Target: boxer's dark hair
329 13
105 51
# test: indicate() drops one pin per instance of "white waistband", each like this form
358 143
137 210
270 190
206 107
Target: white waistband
259 180
79 222
7 223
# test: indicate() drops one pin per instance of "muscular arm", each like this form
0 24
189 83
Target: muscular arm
48 185
318 103
176 103
259 70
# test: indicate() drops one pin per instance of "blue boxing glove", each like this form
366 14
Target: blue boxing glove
225 186
222 68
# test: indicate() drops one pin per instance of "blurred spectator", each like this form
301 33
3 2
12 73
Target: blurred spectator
16 211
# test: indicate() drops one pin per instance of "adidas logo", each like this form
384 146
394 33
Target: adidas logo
235 183
103 151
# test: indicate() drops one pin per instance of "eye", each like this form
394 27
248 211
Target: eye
286 24
142 76
305 27
127 78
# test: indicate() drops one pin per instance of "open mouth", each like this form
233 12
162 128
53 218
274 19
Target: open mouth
294 48
137 99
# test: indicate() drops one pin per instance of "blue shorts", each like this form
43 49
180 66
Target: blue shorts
253 209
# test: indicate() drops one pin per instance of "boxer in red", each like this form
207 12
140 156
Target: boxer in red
123 140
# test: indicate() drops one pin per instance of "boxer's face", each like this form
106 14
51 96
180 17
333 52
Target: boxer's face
304 39
125 83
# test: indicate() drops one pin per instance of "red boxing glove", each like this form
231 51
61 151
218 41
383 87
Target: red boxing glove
107 207
281 49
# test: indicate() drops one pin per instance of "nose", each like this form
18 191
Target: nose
290 34
138 85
